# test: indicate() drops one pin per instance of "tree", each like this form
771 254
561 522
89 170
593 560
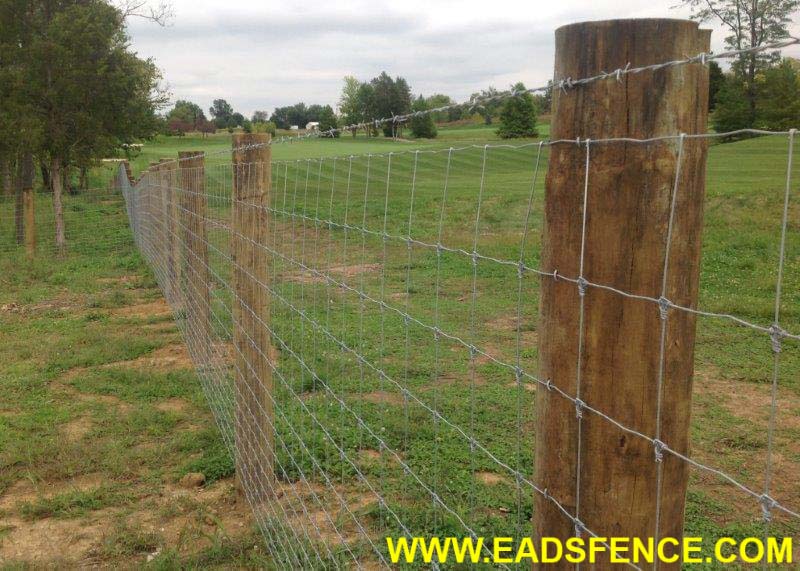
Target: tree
715 81
732 111
236 120
434 101
391 97
221 111
518 117
327 122
544 101
367 107
206 127
179 127
750 23
265 127
260 117
187 112
778 104
422 126
349 108
485 104
86 90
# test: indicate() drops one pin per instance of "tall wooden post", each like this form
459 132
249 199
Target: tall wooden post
251 187
168 228
26 177
193 207
628 203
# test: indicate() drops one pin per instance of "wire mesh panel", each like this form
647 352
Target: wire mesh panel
391 331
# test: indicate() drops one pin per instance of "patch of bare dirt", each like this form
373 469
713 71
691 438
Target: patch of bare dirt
384 397
169 358
144 310
172 405
339 271
751 402
490 478
62 303
76 429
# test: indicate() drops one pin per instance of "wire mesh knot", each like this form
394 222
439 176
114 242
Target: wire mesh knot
582 283
474 258
555 275
548 384
580 528
518 374
658 449
776 334
521 270
767 505
579 406
663 307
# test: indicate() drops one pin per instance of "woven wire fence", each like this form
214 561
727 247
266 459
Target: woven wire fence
94 219
379 375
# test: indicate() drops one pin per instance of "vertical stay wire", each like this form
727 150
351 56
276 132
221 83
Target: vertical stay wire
321 499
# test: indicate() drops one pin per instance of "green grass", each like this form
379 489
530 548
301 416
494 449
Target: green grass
743 207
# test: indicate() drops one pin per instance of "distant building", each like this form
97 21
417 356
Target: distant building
312 125
294 128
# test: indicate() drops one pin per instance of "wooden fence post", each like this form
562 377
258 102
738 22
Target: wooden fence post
194 206
26 177
254 434
168 226
628 203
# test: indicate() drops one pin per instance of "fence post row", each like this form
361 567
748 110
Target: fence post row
193 210
249 230
607 220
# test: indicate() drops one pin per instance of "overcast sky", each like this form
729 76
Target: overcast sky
259 54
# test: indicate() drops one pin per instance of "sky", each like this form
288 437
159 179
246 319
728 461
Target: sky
260 54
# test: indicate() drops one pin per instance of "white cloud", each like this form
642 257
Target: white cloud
262 54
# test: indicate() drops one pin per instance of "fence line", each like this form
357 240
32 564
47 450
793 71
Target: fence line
346 334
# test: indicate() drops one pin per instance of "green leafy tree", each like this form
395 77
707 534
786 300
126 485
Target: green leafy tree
221 111
86 90
368 107
750 24
328 122
349 108
778 103
518 116
391 97
438 100
422 126
732 110
484 104
187 112
716 79
265 127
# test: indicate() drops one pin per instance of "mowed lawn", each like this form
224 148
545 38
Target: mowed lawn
104 415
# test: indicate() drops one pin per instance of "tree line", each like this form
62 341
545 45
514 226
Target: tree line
71 92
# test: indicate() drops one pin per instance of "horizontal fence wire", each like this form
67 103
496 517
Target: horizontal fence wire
378 374
95 221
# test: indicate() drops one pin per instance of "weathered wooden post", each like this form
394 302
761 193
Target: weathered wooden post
610 482
193 207
168 229
26 178
254 434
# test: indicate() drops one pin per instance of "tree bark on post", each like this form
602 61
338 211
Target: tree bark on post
628 203
167 229
194 207
57 185
254 435
26 178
